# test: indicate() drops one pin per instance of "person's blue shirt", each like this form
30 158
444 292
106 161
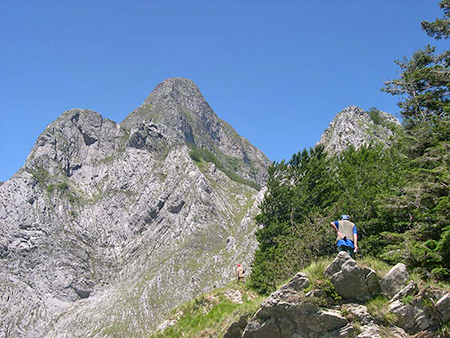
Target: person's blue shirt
345 241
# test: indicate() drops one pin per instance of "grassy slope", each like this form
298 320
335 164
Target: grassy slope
211 314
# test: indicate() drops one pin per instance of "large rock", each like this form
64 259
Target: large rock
286 319
410 290
424 311
358 313
375 331
288 313
395 280
413 317
350 281
298 283
237 328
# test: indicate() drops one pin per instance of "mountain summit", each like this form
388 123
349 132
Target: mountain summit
178 104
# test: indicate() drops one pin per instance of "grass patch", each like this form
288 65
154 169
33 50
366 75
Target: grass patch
417 276
40 174
62 186
444 330
379 309
316 269
315 272
380 267
407 299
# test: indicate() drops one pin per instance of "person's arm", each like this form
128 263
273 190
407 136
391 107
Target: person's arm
355 242
333 225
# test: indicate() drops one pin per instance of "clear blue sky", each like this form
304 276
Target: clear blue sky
278 71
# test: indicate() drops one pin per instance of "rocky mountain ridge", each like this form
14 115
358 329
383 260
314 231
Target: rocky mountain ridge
108 226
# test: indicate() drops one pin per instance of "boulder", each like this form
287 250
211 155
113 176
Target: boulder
336 264
289 313
298 283
350 281
395 280
294 320
374 331
357 312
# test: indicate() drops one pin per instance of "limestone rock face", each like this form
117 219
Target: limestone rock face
355 127
108 226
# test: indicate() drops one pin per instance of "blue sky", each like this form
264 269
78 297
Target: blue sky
278 71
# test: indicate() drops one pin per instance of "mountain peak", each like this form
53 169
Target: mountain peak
180 107
183 91
355 127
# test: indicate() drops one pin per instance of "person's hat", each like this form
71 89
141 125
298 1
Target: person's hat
239 264
345 217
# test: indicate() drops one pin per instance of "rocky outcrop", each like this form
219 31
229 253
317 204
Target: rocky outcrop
109 226
299 309
356 127
288 313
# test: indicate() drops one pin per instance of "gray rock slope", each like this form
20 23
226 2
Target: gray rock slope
356 127
109 226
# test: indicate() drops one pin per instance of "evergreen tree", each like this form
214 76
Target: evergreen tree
440 28
424 200
424 86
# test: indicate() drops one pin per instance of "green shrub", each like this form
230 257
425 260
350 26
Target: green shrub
441 274
375 116
62 186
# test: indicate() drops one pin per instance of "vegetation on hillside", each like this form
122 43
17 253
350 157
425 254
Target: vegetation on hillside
202 154
210 315
398 197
